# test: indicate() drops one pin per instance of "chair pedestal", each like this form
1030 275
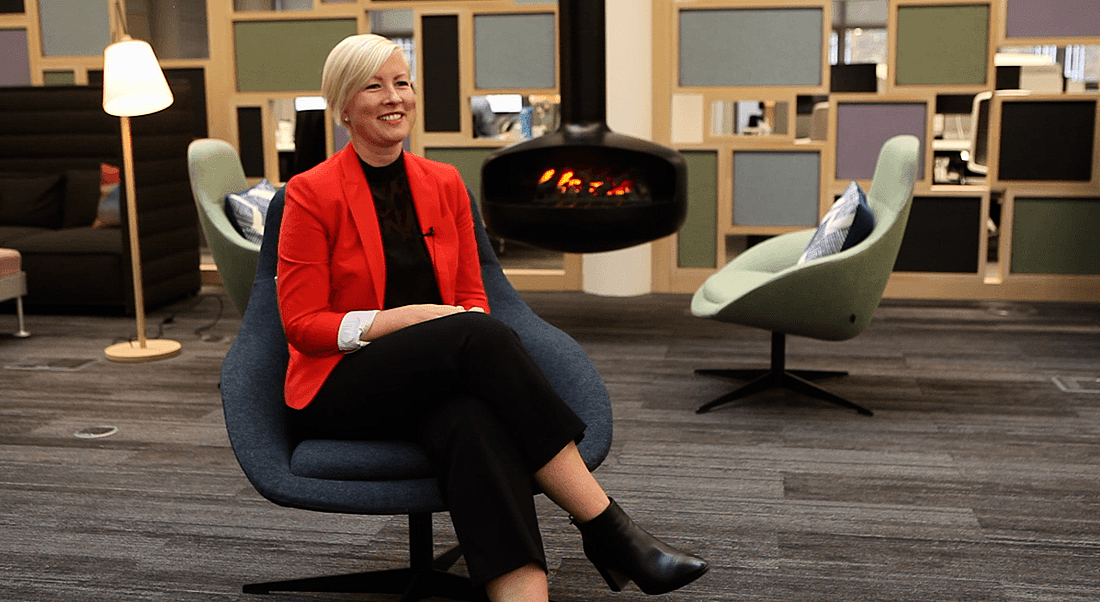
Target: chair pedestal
424 578
778 377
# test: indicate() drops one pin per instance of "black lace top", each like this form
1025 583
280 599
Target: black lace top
410 277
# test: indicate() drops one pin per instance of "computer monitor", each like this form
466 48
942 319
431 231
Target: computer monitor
978 161
1047 139
856 77
819 126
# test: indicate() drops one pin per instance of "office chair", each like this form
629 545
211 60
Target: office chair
829 298
376 477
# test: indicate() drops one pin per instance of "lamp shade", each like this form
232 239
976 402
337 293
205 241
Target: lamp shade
133 83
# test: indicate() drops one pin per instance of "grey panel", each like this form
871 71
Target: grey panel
776 188
177 29
514 51
393 22
341 138
1052 18
15 69
751 47
862 129
74 27
861 13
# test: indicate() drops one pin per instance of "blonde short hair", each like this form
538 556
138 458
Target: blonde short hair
351 64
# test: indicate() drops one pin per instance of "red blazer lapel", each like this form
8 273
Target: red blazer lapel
361 204
425 195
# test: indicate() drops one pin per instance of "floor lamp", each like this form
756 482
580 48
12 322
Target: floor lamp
133 84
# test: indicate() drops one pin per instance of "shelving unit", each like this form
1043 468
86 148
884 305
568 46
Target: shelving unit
715 64
995 239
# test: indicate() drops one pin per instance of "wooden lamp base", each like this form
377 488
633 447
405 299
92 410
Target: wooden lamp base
132 351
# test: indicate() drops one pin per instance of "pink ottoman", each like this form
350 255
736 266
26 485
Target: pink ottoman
13 284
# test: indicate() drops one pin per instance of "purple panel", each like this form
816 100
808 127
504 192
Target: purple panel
15 69
1052 18
862 129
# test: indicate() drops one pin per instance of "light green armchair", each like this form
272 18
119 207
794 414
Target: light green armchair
829 298
216 171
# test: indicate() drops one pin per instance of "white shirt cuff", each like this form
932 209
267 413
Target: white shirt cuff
352 327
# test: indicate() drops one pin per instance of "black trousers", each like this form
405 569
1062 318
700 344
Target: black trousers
467 390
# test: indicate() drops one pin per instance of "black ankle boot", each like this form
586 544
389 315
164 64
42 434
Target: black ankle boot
623 552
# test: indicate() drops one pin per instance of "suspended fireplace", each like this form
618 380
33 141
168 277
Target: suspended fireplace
584 188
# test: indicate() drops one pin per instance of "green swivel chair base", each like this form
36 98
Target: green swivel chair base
777 377
425 577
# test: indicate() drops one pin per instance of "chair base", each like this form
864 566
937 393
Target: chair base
778 377
412 584
425 578
22 332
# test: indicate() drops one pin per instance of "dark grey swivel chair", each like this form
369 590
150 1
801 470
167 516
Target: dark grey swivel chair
376 477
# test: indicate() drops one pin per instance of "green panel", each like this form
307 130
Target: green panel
698 237
467 160
942 45
275 56
59 78
1055 236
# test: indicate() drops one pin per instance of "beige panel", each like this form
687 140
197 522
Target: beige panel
687 118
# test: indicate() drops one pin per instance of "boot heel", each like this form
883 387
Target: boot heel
615 580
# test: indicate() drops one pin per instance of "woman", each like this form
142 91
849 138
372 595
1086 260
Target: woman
387 322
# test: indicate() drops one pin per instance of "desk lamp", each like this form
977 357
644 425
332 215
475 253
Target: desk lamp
133 84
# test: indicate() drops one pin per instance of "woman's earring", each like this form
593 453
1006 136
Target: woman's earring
346 119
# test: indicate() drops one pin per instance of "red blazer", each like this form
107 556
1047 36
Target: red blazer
331 259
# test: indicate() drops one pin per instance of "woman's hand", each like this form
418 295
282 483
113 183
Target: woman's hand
391 320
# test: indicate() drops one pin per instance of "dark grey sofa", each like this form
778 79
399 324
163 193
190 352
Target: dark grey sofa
61 133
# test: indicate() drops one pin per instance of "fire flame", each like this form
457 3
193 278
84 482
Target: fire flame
569 183
625 188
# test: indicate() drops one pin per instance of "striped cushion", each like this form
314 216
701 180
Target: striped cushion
247 210
10 262
848 222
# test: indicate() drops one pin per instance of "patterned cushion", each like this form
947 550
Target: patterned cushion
109 212
247 210
847 223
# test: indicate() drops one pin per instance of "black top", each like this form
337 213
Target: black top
410 276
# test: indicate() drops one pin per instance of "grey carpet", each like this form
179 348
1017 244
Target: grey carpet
977 479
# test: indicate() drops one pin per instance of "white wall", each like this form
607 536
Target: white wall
629 111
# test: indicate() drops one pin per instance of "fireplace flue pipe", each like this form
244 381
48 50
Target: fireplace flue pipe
583 69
